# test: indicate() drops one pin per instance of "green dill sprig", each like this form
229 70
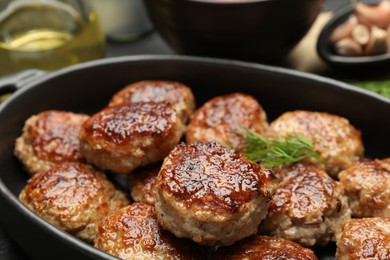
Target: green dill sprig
380 87
276 152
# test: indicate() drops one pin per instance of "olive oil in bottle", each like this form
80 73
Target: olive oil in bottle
48 35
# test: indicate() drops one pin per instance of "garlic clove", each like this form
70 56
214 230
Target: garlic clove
361 34
344 30
377 43
348 47
370 15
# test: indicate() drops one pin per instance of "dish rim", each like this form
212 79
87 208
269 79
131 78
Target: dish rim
194 59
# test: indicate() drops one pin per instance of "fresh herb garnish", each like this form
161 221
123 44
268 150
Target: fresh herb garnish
380 87
276 152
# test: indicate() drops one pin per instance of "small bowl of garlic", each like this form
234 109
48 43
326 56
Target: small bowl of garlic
357 36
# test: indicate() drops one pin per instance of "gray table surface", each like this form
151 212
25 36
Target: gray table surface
151 43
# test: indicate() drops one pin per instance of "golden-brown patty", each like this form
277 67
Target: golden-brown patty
333 137
73 197
367 186
224 118
308 207
212 194
133 233
367 238
49 138
125 137
142 184
178 94
264 247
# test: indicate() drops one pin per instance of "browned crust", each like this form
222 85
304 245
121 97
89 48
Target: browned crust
367 238
223 119
308 207
120 124
72 196
333 137
367 185
125 137
212 176
264 247
142 184
134 232
307 190
176 93
50 137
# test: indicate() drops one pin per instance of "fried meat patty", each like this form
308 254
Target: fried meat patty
73 197
178 94
308 207
333 137
125 137
49 138
366 238
264 247
142 184
224 118
212 194
367 186
133 233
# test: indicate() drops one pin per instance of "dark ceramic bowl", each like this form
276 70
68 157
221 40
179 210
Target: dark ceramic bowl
256 30
326 51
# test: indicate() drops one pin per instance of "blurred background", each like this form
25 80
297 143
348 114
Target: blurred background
73 35
126 28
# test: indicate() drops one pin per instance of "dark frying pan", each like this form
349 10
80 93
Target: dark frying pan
88 87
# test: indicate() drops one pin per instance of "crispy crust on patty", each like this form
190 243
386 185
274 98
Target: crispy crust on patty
49 138
73 197
125 137
212 194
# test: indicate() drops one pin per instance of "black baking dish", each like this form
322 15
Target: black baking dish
88 87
